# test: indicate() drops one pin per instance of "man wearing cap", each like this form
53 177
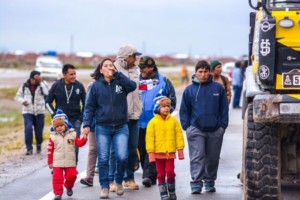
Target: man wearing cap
69 96
125 63
151 85
216 70
32 95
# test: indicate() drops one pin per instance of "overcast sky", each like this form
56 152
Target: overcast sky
198 27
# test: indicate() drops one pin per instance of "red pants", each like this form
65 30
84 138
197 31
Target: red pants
63 176
165 167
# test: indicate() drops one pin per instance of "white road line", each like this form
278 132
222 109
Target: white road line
50 195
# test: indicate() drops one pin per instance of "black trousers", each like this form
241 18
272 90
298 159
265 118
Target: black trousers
149 169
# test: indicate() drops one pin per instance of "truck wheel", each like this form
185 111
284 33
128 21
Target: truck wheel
262 160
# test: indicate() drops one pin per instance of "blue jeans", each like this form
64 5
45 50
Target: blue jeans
77 126
133 139
37 121
118 138
237 90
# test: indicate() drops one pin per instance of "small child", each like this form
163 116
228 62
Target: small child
163 137
61 154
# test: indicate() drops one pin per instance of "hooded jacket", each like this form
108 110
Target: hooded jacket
164 135
108 101
134 99
36 100
204 106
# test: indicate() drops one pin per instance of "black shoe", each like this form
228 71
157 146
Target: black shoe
147 182
70 192
153 181
29 152
38 151
57 197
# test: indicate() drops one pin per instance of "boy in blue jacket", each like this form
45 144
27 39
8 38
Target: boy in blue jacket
204 117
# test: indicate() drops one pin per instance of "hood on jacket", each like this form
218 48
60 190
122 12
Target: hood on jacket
196 80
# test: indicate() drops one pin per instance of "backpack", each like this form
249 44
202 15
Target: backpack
224 81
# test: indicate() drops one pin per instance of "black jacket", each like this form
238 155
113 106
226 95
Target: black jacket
75 108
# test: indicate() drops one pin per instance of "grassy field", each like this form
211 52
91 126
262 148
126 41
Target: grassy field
11 121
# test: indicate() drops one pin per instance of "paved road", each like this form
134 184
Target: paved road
37 185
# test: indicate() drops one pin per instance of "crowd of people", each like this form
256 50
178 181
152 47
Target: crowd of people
125 116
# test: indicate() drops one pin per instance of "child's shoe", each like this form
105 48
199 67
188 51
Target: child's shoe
171 189
163 192
69 192
57 197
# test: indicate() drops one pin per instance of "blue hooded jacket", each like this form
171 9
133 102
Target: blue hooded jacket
204 106
107 102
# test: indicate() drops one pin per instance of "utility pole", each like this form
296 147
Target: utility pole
71 44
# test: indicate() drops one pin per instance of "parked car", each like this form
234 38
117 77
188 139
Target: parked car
227 70
49 66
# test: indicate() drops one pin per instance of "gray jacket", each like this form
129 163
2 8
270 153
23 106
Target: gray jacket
134 98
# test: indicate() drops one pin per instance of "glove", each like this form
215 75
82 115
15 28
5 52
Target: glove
151 157
180 154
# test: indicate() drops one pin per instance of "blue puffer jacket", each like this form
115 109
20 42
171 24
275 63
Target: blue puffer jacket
163 87
108 101
204 106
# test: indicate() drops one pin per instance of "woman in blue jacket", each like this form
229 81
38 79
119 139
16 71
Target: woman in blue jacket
107 102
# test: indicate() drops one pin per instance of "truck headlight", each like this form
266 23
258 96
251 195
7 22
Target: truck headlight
289 108
286 23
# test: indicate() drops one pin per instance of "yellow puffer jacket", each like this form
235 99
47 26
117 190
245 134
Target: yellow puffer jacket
164 135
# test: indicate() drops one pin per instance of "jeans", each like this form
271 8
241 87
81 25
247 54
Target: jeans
77 126
133 139
118 138
237 90
37 121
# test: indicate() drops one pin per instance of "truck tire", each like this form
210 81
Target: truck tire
262 160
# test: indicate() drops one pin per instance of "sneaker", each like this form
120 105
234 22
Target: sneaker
69 192
120 189
210 188
131 185
96 170
104 193
196 190
57 197
88 181
112 187
29 152
147 182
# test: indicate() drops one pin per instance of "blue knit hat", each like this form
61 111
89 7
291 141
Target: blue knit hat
60 118
159 101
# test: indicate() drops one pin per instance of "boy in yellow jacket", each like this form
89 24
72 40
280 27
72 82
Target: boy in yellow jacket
163 137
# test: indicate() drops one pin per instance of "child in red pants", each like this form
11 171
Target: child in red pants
61 154
163 137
